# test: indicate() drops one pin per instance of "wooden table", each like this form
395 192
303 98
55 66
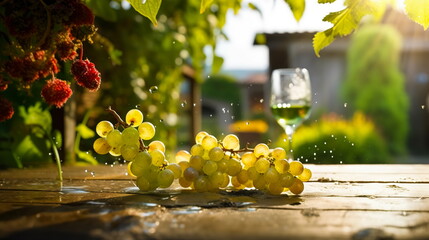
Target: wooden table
101 202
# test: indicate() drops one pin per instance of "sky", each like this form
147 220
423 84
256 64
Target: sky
238 51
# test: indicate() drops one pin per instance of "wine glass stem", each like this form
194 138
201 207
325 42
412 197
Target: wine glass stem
289 133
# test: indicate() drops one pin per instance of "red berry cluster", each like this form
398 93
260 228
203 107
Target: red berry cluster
36 34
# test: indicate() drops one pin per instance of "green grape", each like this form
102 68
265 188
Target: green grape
129 171
261 150
197 150
271 175
146 131
165 178
226 180
141 163
209 167
184 183
296 168
305 175
182 155
209 142
103 128
183 165
281 165
297 186
134 117
248 159
231 142
101 146
216 179
278 153
130 136
236 183
286 179
156 145
252 173
190 174
233 167
243 176
199 137
115 151
143 184
176 169
114 138
275 188
196 162
201 183
260 183
262 165
222 165
158 157
129 152
216 154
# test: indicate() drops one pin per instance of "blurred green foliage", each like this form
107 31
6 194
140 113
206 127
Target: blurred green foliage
374 83
334 140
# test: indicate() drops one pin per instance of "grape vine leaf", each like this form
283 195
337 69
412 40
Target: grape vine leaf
147 8
418 11
204 5
347 20
297 7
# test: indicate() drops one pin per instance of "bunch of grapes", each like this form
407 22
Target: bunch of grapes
38 34
209 166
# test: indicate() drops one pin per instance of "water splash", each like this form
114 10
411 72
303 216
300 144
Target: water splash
153 89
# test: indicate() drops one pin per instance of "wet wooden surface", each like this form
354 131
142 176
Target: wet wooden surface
102 202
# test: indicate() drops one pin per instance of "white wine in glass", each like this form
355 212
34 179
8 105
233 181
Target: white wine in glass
290 99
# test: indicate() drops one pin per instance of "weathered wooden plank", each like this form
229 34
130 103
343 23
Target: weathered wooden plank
219 223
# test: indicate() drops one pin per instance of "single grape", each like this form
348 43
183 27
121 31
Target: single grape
305 175
209 167
260 183
272 175
165 178
296 168
278 153
261 150
282 165
158 157
114 138
199 137
248 159
231 142
184 183
233 167
243 176
182 155
262 165
252 173
146 131
143 184
275 188
222 165
286 179
190 174
201 183
183 165
156 145
216 154
101 146
197 150
236 183
134 117
115 151
216 179
129 171
209 142
196 162
141 163
176 169
129 152
103 128
130 136
226 180
297 186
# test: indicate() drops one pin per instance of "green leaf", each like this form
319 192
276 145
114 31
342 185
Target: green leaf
217 64
326 1
102 9
297 7
204 5
36 116
84 131
147 8
322 40
418 11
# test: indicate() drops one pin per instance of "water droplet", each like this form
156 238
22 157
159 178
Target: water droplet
93 174
341 162
50 154
208 76
86 170
144 1
423 106
194 104
247 123
174 42
223 110
353 144
261 100
232 117
153 89
345 104
232 104
183 104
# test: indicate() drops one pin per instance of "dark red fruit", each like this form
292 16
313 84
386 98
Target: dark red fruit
6 109
86 75
56 92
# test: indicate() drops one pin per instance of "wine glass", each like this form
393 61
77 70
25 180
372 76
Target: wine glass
290 99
